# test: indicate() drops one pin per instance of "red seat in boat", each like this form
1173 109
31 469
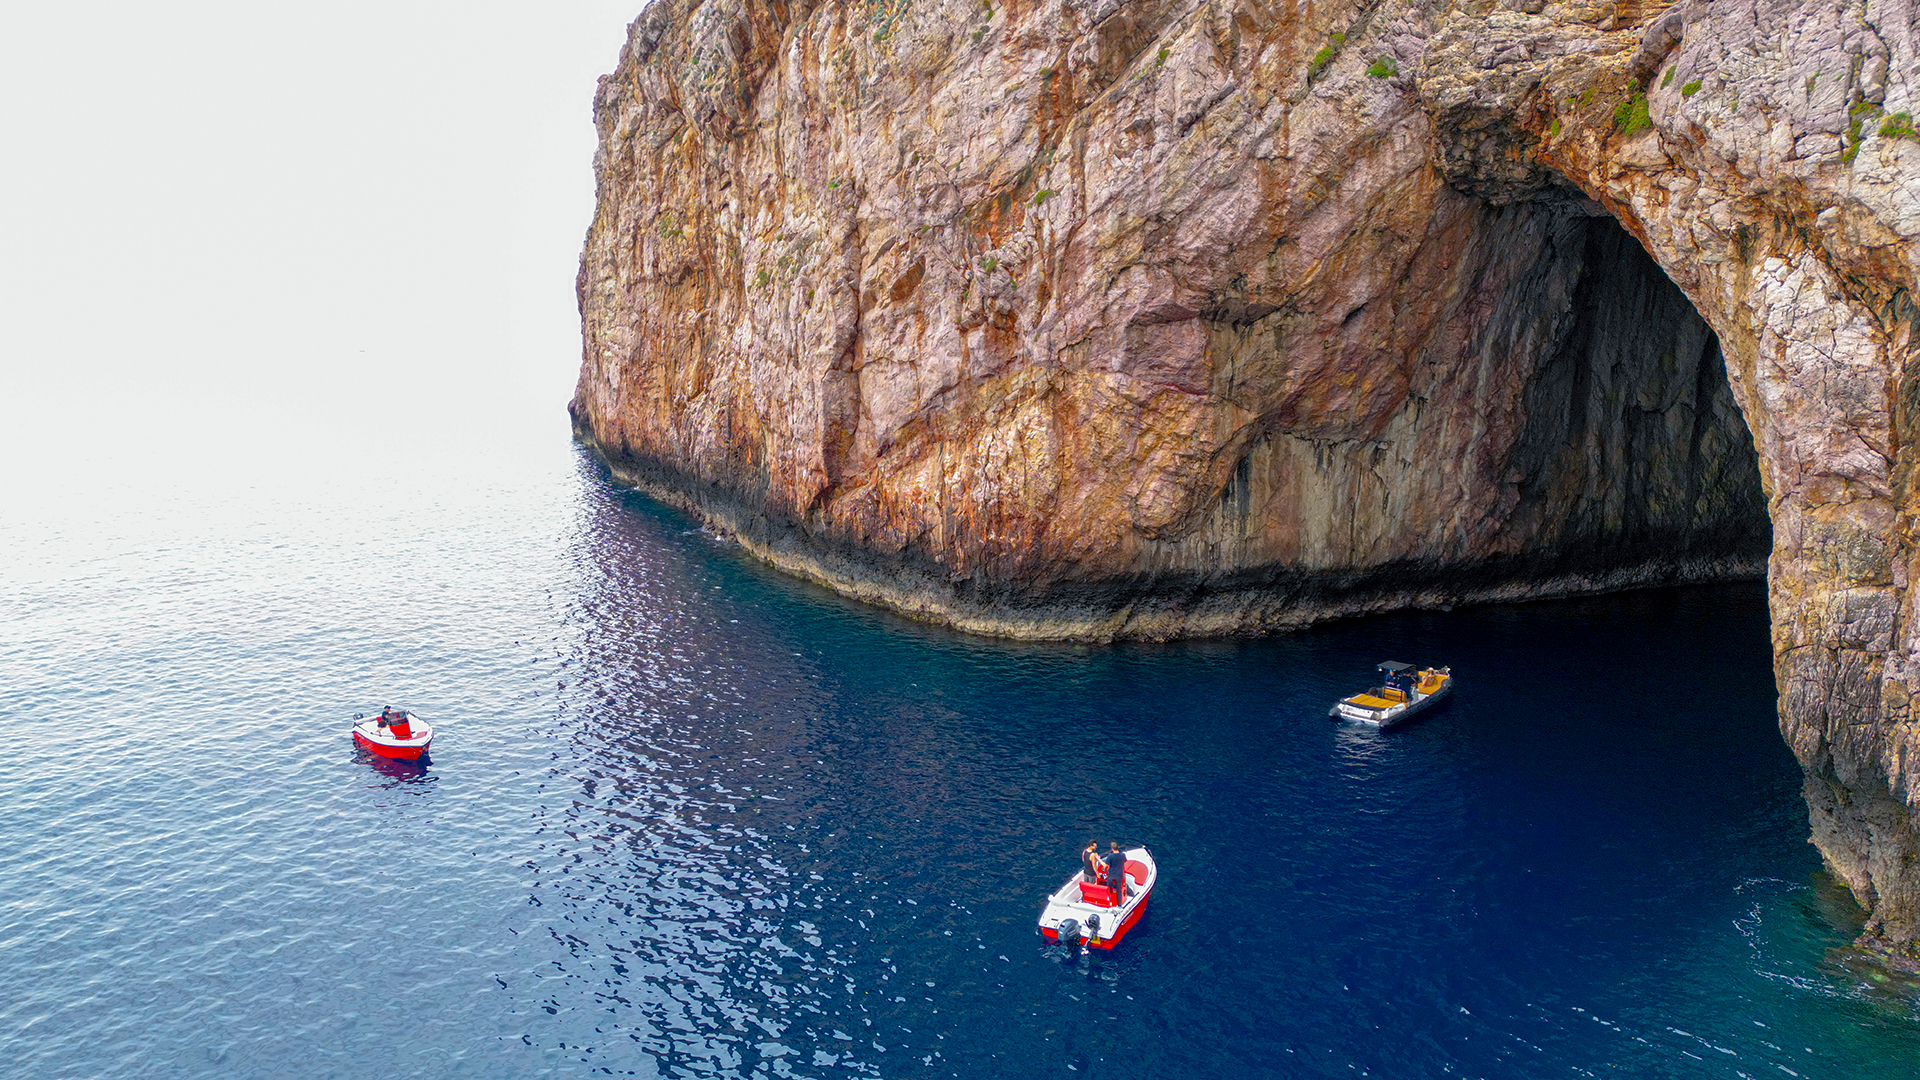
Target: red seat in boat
1137 871
1098 895
401 729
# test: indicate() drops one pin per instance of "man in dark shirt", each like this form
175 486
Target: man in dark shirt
1117 872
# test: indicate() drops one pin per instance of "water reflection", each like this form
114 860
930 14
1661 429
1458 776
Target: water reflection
668 894
774 834
401 772
698 819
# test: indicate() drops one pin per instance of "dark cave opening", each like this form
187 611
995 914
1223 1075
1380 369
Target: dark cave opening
1634 446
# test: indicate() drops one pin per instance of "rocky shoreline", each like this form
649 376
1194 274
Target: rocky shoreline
1127 610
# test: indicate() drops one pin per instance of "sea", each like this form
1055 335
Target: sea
688 817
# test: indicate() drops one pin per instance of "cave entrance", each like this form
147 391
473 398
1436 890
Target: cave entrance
1634 452
1527 405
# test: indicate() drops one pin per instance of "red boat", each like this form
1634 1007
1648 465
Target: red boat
1085 911
395 733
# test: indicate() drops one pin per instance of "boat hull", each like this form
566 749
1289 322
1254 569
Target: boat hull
1392 718
382 745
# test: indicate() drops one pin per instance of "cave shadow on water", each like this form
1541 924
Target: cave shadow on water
1594 856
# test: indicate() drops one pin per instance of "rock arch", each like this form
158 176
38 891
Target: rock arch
1757 150
1094 318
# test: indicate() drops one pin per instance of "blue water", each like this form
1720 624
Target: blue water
686 817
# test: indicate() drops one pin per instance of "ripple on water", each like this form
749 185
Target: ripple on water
688 818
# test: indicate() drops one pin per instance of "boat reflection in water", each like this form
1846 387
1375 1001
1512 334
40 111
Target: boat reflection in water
406 771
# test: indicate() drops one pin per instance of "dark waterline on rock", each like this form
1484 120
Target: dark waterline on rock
688 817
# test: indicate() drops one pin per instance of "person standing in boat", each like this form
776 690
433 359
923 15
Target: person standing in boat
1091 868
1117 872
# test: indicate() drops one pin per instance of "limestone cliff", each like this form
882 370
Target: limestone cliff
1095 318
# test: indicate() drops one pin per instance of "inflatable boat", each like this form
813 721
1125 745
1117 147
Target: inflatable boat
1081 911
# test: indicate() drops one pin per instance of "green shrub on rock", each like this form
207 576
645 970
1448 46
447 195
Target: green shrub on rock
1631 116
1326 54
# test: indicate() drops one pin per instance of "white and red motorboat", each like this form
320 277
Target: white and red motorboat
395 733
1082 911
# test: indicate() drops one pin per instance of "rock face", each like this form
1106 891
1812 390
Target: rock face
1098 318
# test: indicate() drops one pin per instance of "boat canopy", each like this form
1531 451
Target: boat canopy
1392 666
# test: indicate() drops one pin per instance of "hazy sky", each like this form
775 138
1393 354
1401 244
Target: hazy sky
257 229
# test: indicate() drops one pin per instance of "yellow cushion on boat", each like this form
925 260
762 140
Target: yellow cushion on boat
1368 701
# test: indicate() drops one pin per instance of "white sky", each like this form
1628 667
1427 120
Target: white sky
249 230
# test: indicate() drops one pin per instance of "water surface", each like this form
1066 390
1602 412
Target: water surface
686 817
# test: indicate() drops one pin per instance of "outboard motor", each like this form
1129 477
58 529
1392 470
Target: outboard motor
1070 933
1093 926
